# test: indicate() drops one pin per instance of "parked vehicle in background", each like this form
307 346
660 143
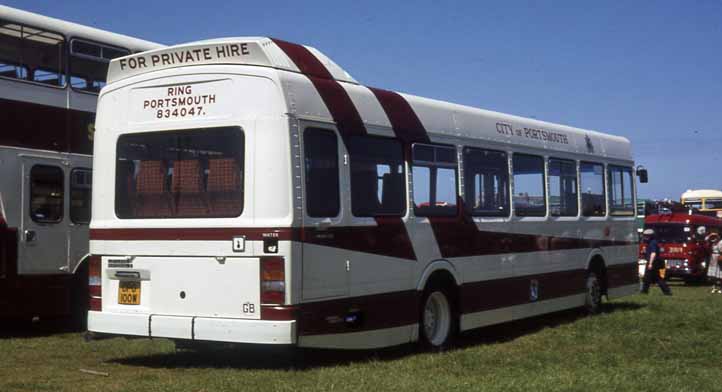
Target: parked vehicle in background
250 190
50 74
703 200
681 236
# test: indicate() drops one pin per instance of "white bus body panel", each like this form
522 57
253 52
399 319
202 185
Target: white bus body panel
330 278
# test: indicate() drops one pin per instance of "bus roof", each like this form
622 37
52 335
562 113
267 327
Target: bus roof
438 117
73 30
701 193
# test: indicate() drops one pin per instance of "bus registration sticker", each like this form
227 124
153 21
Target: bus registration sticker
129 293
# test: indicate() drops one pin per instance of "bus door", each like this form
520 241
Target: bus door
43 245
325 268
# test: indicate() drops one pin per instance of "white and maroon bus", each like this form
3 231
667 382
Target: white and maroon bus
250 190
50 74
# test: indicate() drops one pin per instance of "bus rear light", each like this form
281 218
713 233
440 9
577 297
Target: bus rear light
273 280
95 283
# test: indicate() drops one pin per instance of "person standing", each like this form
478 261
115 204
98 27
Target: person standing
654 264
714 271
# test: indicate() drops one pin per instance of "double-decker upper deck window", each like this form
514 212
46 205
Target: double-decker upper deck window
562 187
377 176
529 195
321 164
621 197
31 54
89 64
46 193
592 189
435 188
486 182
81 181
195 173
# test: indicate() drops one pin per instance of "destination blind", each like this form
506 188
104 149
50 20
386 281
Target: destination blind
222 53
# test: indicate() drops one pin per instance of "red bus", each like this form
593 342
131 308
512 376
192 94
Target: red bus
681 237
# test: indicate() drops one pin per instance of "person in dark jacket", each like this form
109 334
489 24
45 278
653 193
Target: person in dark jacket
654 264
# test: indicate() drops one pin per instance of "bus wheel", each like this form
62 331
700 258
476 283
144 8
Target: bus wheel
593 297
437 319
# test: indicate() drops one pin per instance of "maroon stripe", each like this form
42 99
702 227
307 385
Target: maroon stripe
389 238
459 236
622 275
195 234
502 293
29 295
402 308
8 253
306 62
339 104
378 311
279 313
404 121
30 125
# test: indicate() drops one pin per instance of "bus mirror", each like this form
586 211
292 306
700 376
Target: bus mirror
642 174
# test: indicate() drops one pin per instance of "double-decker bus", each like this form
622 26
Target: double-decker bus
50 74
703 200
250 190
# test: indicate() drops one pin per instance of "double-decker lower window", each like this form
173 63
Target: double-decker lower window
194 173
529 198
46 193
621 200
377 176
81 181
592 189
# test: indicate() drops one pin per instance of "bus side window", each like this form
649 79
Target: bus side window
529 197
562 187
320 147
486 182
46 194
80 192
621 197
28 53
377 176
89 64
435 187
592 189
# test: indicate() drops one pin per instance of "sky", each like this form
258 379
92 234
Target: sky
647 70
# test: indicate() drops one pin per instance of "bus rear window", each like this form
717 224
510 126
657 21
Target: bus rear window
180 174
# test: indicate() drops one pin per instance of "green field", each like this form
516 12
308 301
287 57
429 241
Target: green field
640 343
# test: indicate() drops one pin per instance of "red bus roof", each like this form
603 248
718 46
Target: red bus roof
683 218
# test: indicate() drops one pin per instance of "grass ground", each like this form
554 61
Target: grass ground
639 343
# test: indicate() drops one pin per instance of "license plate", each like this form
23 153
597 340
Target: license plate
129 293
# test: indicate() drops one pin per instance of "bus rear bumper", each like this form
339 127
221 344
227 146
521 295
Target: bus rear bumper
193 328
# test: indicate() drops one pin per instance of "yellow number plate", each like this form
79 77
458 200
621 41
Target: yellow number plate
129 293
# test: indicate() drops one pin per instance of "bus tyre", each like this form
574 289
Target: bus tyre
593 297
437 321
